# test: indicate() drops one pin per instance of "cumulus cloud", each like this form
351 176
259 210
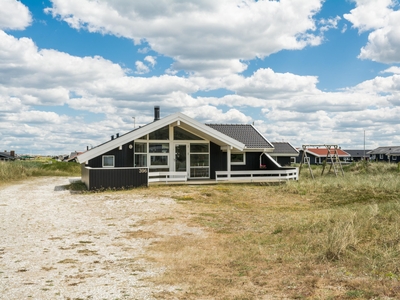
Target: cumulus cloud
141 68
223 30
104 96
151 60
14 15
380 17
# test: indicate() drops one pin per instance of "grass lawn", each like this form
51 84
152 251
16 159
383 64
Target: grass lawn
328 238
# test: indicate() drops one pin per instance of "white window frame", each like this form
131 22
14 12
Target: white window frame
380 156
141 153
239 162
108 156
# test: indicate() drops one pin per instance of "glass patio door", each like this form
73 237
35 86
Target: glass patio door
180 158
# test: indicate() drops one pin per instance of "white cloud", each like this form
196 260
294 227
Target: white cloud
394 70
242 34
327 24
211 114
379 17
141 68
151 60
14 15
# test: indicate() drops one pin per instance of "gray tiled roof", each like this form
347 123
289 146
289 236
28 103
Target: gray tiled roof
284 147
243 133
391 150
357 153
6 155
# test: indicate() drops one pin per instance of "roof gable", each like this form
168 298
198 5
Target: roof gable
247 134
178 119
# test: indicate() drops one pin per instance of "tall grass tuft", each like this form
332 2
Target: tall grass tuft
17 170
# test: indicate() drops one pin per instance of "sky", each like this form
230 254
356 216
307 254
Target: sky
73 73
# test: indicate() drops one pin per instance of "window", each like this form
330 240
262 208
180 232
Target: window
160 134
238 159
394 157
140 154
159 148
108 161
380 156
180 134
159 160
199 148
199 160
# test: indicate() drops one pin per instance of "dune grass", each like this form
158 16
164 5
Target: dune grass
328 238
18 170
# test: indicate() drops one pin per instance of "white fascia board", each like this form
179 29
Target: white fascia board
137 133
284 154
273 160
263 136
124 139
293 147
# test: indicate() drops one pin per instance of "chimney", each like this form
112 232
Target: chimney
12 153
156 113
112 137
117 136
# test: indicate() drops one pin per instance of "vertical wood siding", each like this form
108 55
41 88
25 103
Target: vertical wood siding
101 178
123 158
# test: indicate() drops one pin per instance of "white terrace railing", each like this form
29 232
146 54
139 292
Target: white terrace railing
167 176
282 174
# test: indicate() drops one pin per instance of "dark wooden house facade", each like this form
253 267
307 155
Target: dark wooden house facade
176 144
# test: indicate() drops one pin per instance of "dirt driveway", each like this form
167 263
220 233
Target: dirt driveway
58 245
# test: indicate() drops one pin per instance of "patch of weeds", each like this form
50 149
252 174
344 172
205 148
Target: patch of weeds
355 294
184 198
76 186
85 242
278 229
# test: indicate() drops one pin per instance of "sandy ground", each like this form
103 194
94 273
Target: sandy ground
55 244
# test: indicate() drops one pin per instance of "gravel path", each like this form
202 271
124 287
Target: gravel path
55 244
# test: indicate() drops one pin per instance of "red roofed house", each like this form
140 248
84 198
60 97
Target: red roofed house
319 154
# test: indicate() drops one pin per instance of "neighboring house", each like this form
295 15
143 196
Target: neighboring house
72 157
390 153
7 155
177 146
284 153
357 155
318 155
